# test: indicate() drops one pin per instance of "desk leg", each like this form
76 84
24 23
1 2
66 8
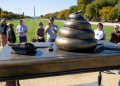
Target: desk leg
99 78
17 84
12 83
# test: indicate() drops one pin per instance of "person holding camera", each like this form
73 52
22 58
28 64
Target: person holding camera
51 30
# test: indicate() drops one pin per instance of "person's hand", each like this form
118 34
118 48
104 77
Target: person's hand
4 35
20 32
49 25
40 38
52 26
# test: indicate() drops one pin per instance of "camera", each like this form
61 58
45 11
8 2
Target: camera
50 24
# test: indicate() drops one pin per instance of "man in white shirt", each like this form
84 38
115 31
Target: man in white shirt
21 31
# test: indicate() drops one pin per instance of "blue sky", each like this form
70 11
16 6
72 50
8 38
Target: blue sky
41 6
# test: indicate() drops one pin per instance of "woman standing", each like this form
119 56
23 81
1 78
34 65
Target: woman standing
11 38
40 33
99 33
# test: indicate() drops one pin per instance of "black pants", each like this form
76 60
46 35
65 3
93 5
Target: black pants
43 40
22 39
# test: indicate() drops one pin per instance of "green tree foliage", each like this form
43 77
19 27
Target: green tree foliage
73 9
41 16
63 14
0 10
47 16
82 4
55 15
93 9
118 7
108 13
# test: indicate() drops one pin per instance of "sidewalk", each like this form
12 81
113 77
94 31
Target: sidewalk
105 23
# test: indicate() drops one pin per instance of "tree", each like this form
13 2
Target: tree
62 14
92 9
108 13
47 16
55 15
82 4
0 10
51 15
10 15
41 16
73 9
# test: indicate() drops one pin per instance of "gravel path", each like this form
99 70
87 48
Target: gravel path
106 23
109 78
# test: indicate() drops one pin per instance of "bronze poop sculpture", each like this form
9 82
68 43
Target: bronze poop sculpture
76 35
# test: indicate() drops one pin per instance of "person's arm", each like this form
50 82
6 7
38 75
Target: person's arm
36 32
104 36
17 30
12 38
111 38
26 30
46 29
55 31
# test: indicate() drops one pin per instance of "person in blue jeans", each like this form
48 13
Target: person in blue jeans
51 30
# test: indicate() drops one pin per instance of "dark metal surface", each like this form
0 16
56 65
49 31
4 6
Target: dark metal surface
99 78
71 44
76 16
24 48
57 62
77 24
76 35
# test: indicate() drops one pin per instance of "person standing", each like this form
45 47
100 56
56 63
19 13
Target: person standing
3 32
51 30
115 36
21 31
40 33
99 33
11 38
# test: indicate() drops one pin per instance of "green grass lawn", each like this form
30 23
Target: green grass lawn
33 24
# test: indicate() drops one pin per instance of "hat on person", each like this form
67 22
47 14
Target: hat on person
40 23
3 19
51 18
